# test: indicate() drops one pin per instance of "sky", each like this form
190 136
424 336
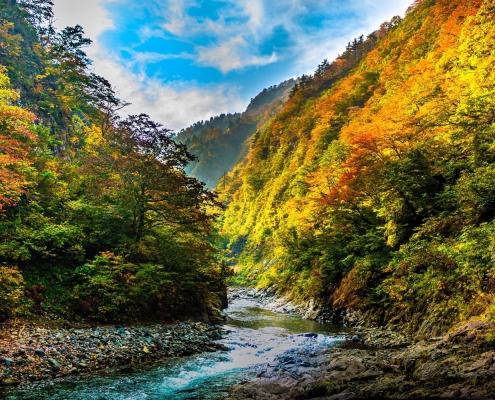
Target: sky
181 61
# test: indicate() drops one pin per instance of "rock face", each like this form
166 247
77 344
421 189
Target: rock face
37 353
381 364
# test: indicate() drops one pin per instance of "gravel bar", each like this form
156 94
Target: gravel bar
30 354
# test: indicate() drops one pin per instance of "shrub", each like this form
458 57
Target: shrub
12 299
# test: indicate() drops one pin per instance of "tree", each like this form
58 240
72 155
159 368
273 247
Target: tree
154 184
16 145
40 16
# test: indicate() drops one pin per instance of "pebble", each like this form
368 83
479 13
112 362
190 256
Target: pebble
70 351
55 364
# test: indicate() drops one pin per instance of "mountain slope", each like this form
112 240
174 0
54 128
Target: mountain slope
371 188
221 142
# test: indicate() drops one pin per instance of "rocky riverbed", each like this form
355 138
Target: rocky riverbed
374 364
30 354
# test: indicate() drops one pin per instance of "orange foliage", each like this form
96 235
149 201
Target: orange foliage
16 144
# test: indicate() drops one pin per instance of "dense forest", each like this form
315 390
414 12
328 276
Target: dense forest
361 195
98 219
367 185
373 188
220 143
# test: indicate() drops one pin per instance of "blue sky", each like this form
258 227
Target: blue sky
185 60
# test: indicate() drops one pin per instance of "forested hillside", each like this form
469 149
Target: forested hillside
98 219
373 188
223 140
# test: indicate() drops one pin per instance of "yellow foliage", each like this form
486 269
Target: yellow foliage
329 153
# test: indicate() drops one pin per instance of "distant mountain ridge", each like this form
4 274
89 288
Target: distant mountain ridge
219 143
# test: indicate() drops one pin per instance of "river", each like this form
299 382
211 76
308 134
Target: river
257 336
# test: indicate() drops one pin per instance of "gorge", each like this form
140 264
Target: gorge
360 196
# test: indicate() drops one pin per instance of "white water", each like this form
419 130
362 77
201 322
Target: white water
257 337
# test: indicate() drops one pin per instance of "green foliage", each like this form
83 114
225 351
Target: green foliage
96 212
12 300
221 142
443 280
104 291
111 289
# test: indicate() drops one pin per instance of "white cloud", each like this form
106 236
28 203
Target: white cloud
234 44
178 21
88 13
143 58
232 54
314 46
229 49
256 12
94 18
175 105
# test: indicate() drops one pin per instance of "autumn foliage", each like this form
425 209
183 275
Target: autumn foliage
98 219
373 188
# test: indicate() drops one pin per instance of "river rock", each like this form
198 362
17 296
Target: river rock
460 365
54 364
10 382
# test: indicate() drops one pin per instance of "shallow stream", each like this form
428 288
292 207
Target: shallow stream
256 338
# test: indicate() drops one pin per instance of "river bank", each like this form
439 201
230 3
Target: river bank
378 363
253 335
29 354
460 365
274 355
310 309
